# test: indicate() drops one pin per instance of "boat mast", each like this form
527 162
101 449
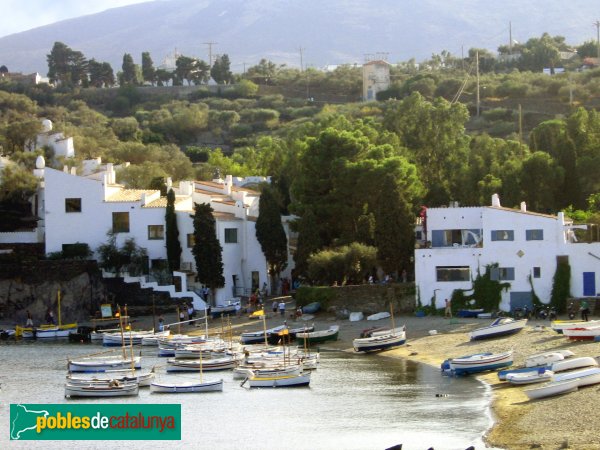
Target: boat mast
392 315
121 328
59 316
264 327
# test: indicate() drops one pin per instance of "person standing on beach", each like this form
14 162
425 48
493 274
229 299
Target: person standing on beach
585 310
448 310
275 306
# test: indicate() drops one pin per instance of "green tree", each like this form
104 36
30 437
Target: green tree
148 71
270 233
541 179
66 66
172 233
129 74
394 228
221 70
207 249
101 74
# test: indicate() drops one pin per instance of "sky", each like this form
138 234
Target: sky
23 15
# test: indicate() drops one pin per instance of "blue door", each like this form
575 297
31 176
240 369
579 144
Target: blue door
521 300
589 284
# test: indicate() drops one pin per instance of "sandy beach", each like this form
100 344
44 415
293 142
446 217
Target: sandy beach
558 422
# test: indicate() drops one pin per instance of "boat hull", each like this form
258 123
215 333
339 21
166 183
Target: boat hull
378 343
184 388
103 365
72 390
498 330
482 362
552 389
281 381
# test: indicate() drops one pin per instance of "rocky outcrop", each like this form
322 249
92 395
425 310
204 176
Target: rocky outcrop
35 287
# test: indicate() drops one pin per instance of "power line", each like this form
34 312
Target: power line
210 44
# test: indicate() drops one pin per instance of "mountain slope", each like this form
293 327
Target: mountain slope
330 32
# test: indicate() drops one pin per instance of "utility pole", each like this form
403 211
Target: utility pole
597 23
210 44
510 38
301 60
477 66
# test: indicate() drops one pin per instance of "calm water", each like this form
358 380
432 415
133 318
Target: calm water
354 402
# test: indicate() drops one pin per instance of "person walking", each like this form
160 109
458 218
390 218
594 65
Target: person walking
275 305
448 310
282 308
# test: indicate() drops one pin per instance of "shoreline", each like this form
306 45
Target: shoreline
517 423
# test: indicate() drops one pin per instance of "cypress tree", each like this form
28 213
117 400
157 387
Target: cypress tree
270 232
207 249
172 233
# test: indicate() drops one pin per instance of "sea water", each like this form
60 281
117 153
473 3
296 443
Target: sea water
354 401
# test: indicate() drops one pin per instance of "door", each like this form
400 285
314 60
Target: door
520 300
589 284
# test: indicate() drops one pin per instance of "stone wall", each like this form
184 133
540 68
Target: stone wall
374 298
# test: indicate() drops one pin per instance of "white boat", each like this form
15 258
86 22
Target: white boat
194 365
129 338
152 340
103 364
258 337
582 332
274 371
543 359
393 338
560 325
101 390
586 377
280 381
533 376
479 362
356 316
97 336
379 316
566 353
502 326
143 380
46 331
182 388
315 337
552 388
573 363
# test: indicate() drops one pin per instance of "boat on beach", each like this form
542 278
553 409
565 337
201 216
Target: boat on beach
502 326
479 362
582 333
587 377
543 359
316 337
377 342
532 376
552 388
560 325
46 331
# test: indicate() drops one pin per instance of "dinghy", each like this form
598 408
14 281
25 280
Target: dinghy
533 376
189 387
479 362
586 377
280 381
543 359
560 325
552 388
315 337
582 333
103 364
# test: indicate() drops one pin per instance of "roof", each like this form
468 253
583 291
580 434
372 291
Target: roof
162 202
502 208
377 62
224 216
129 195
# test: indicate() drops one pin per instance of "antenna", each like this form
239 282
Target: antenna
210 44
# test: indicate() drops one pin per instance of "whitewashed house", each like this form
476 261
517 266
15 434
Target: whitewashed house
457 242
79 209
58 142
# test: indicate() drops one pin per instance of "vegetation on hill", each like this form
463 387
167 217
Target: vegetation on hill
353 173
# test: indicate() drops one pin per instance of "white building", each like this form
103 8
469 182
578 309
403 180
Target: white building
61 145
460 241
81 209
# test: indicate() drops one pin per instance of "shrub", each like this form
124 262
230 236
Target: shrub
322 294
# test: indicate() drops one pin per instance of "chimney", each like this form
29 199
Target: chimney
496 201
523 207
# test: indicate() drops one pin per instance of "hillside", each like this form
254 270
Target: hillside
332 32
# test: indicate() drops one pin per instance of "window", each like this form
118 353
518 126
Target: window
453 273
120 222
231 235
72 205
503 235
537 272
534 235
191 240
156 232
455 238
502 274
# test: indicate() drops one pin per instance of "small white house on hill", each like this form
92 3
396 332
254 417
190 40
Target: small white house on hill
459 242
